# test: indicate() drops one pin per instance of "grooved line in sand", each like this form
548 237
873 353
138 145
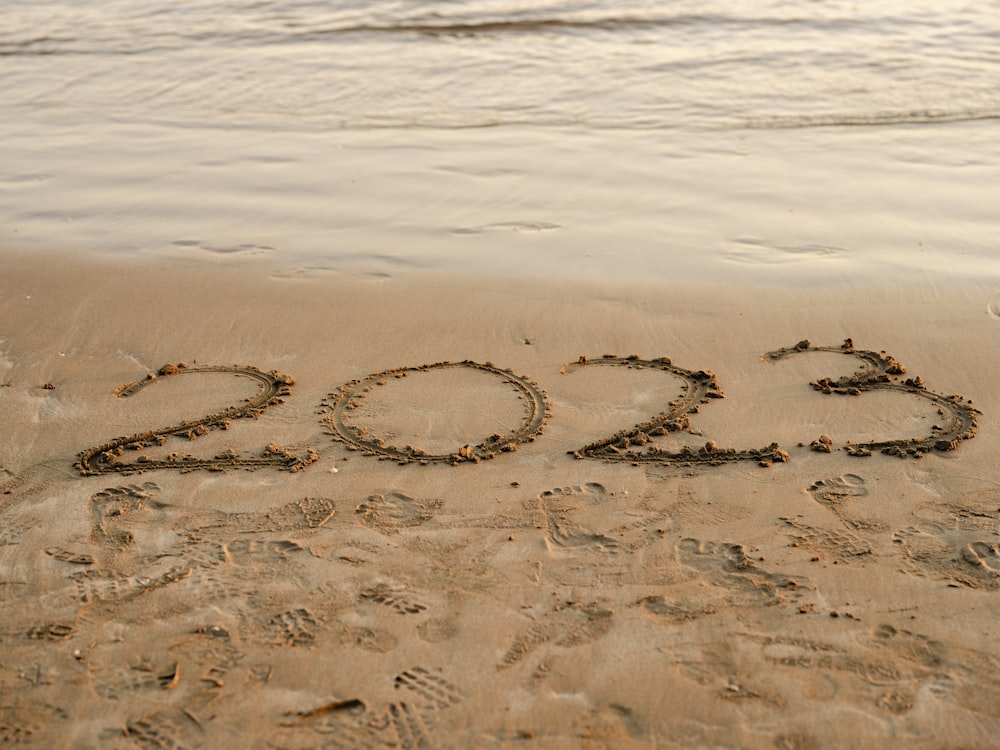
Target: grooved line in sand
877 373
105 458
700 387
349 397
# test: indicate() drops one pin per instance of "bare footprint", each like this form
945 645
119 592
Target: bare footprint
110 506
984 555
977 511
394 510
726 566
838 489
562 507
974 565
837 493
567 624
921 651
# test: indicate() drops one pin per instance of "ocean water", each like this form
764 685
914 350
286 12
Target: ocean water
632 139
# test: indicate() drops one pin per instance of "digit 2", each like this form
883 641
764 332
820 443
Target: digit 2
700 387
107 458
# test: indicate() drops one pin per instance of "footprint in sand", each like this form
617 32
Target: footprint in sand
662 610
101 585
369 639
726 566
841 546
692 504
409 718
428 688
63 555
14 529
392 596
117 679
51 631
985 555
925 654
294 627
30 723
993 306
112 506
394 510
167 728
977 511
837 493
306 515
437 630
208 585
571 513
884 667
561 505
567 624
919 546
594 535
949 672
975 564
260 552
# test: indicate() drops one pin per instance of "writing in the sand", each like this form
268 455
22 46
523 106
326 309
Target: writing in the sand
635 445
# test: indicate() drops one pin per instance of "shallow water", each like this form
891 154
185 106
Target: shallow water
636 140
308 65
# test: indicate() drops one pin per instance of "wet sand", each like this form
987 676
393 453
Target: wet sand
611 520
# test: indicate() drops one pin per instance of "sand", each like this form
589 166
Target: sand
611 520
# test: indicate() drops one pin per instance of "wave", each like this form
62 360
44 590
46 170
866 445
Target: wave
870 119
139 37
520 25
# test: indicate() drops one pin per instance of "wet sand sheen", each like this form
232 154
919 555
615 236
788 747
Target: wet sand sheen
528 599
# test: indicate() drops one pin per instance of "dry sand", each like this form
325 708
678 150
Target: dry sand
534 599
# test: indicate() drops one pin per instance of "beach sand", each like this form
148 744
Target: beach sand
346 566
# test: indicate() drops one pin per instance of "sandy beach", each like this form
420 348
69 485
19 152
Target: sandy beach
475 374
321 542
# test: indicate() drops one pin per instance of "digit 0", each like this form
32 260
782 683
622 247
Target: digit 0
348 397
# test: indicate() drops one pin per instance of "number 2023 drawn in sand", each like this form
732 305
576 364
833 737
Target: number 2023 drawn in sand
878 371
